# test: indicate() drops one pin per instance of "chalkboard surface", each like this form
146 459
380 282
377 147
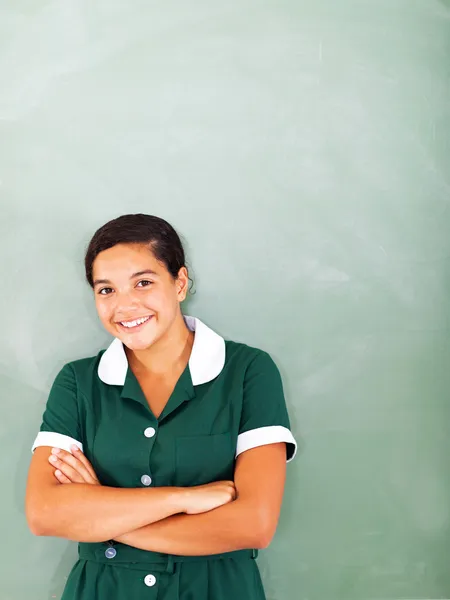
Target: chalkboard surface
302 150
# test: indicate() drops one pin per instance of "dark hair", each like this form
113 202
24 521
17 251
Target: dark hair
160 236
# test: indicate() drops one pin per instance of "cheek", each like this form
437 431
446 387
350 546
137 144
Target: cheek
104 312
163 304
156 300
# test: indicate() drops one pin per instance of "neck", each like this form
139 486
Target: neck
170 353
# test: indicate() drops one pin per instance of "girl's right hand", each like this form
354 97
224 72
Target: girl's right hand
203 498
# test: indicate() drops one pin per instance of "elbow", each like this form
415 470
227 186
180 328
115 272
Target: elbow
36 523
36 529
41 516
45 521
258 525
35 512
264 530
263 539
41 526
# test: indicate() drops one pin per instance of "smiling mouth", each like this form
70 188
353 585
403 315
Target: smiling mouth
134 325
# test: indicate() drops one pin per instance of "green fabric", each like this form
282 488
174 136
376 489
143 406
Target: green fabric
195 443
221 579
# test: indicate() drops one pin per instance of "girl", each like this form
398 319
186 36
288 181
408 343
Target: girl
164 455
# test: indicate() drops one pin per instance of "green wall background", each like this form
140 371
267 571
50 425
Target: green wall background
302 150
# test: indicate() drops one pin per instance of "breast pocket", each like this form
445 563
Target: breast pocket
202 459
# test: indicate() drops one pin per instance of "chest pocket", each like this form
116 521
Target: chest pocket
201 459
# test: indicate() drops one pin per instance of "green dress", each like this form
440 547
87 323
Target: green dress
228 399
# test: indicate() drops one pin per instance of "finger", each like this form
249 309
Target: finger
66 469
82 458
73 462
78 454
75 468
61 477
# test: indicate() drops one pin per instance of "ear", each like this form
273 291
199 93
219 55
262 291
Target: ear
182 284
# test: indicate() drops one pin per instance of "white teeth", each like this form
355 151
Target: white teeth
135 323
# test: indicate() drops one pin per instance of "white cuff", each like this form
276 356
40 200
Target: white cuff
56 440
267 435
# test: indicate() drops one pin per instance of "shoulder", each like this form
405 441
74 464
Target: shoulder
248 358
83 368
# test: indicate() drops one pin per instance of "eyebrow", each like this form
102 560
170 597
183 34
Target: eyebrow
138 274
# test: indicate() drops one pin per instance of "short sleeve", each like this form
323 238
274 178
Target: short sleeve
60 426
264 418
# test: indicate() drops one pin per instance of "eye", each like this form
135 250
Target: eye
102 290
146 281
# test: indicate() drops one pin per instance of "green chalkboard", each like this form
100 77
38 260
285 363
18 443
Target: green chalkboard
302 150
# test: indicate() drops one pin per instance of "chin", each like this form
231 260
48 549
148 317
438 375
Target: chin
137 343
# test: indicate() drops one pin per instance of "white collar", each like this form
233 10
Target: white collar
205 363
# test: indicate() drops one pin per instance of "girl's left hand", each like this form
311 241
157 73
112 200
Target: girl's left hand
72 468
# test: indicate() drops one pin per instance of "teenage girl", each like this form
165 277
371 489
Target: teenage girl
164 455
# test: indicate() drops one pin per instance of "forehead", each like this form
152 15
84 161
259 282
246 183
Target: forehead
125 258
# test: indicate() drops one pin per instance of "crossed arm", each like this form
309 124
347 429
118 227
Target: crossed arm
87 512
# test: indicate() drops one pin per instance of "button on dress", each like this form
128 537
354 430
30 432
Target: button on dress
228 399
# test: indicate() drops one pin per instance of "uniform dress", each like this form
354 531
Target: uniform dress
228 399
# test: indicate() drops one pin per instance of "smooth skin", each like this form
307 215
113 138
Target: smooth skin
255 510
129 283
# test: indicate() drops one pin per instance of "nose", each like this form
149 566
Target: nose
126 304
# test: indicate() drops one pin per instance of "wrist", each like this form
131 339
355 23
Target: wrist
179 499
